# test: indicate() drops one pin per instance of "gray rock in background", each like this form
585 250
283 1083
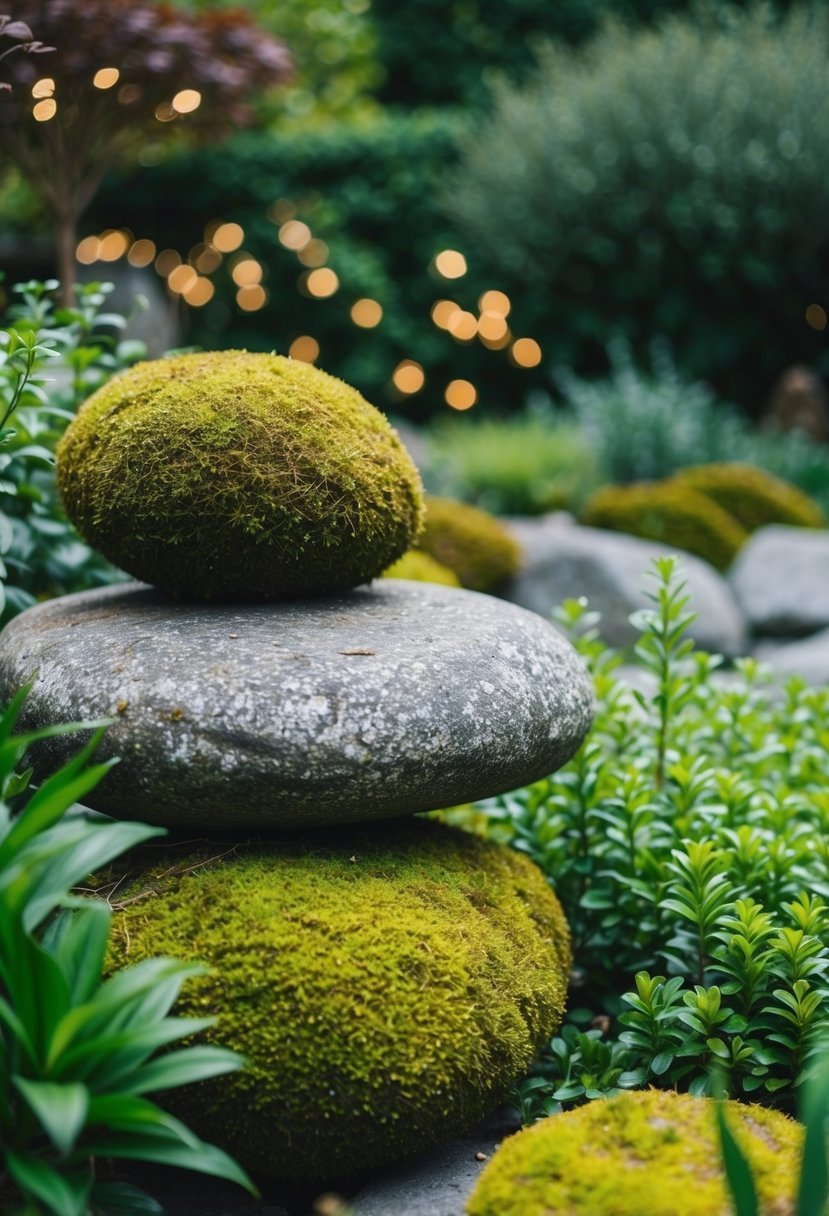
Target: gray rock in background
808 657
384 701
781 579
566 561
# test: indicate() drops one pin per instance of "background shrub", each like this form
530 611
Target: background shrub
753 497
470 542
664 182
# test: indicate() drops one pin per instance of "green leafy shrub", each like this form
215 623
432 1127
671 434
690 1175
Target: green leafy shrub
50 359
527 464
470 542
667 182
753 497
637 1153
78 1054
671 512
422 569
687 841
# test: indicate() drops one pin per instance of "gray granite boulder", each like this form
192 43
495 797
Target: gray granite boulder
781 578
382 701
808 657
566 561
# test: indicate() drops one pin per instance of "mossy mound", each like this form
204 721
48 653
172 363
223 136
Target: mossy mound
386 985
673 513
422 568
752 496
235 476
655 1152
471 542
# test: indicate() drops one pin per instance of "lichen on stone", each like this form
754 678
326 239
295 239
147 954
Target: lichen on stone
236 476
386 986
654 1152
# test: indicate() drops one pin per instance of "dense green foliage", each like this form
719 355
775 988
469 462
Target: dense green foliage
753 497
386 984
638 1153
50 359
78 1054
687 842
667 183
239 477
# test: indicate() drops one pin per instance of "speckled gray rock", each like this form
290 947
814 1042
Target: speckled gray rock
566 561
808 657
781 578
383 701
436 1185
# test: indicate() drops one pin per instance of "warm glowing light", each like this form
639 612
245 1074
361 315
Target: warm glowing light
141 253
251 299
450 264
443 311
166 261
492 326
408 377
495 301
44 87
186 101
497 343
306 349
247 272
199 292
462 326
113 246
88 250
165 112
315 253
44 110
816 317
227 237
461 394
294 235
207 261
366 313
526 352
181 279
322 283
105 78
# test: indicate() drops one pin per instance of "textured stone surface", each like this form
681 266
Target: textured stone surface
435 1185
382 701
781 578
808 657
566 561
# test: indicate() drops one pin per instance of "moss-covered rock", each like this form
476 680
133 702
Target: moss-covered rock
421 568
655 1152
671 512
385 984
471 542
236 476
752 496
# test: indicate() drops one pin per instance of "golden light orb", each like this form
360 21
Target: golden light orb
44 87
141 252
526 352
181 279
366 313
315 253
306 349
45 109
460 394
247 272
495 301
251 299
88 250
227 237
294 235
199 293
186 101
462 325
443 311
166 261
113 246
492 326
408 377
322 283
816 317
105 78
450 264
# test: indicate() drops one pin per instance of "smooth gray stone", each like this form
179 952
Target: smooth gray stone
436 1185
383 701
808 657
781 578
566 561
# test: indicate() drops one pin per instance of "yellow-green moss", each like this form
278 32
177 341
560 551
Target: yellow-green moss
670 512
471 542
385 984
753 496
654 1153
239 476
422 569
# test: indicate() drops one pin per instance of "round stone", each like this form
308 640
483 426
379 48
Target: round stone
382 701
386 984
231 476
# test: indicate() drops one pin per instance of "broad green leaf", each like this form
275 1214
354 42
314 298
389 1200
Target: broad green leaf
737 1170
62 1195
61 1110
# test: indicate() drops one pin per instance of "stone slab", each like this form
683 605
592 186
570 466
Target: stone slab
383 701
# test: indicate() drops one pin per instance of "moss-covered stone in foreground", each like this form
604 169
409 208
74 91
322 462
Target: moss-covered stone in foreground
655 1152
236 476
385 984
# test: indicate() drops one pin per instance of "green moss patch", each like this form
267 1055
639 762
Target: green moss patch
386 985
752 496
471 542
655 1152
237 476
421 568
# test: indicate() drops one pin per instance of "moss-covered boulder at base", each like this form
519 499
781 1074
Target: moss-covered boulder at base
754 497
419 567
655 1152
386 985
471 542
235 476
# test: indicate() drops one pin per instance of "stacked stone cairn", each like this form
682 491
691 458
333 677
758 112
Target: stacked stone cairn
284 717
